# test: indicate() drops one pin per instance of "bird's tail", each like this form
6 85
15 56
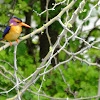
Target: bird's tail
1 39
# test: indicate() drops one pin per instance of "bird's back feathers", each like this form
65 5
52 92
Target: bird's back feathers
6 30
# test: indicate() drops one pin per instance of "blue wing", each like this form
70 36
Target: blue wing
6 30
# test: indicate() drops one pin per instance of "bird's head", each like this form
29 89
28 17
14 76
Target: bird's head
17 22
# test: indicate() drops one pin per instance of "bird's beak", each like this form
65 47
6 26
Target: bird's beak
23 24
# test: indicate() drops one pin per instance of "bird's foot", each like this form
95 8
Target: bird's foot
17 41
10 43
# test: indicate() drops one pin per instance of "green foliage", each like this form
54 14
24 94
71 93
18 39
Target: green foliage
81 77
69 25
22 5
58 0
4 19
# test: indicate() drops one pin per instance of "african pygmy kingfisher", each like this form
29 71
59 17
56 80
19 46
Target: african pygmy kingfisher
14 29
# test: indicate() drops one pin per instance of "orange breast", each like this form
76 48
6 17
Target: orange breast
14 33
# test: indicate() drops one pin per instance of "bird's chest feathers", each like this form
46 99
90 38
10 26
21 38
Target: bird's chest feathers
14 33
16 30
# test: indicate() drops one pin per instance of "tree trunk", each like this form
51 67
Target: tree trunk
53 33
28 30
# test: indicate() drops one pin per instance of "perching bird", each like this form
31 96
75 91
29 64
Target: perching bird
14 29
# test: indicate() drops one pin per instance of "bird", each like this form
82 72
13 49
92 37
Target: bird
14 29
